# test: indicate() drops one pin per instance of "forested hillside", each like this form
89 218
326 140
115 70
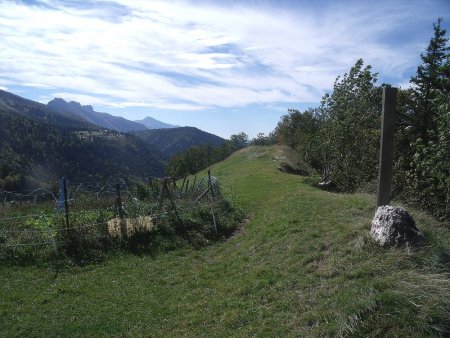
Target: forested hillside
33 153
175 140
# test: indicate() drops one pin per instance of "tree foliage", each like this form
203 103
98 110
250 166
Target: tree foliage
429 170
264 140
431 79
341 137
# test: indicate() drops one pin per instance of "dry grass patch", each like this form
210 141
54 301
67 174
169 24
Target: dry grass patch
117 227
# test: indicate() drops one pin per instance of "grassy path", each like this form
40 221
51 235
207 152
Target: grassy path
303 266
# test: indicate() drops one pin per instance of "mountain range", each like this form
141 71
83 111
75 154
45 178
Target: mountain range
88 113
38 111
40 143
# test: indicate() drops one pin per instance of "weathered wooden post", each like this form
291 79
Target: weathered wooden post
66 204
387 146
123 223
193 183
161 196
119 201
210 182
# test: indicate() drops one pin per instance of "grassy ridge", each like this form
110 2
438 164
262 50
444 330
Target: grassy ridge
304 265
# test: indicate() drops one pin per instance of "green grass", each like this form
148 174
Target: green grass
304 265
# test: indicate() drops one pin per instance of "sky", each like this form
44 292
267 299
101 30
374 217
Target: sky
222 66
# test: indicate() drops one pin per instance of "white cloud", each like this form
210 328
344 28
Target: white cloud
177 55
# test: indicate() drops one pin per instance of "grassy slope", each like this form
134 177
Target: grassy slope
303 266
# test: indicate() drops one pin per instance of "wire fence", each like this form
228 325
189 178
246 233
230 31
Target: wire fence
84 212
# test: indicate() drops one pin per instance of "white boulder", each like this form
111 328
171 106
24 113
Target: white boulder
394 226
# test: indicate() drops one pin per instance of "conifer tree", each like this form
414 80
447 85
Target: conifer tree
431 77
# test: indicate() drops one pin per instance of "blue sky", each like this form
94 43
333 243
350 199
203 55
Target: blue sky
222 66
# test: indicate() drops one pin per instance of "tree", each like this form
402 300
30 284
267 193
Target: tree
432 76
428 176
295 129
262 140
238 141
349 129
430 173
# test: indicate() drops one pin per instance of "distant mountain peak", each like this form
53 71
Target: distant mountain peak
152 123
88 107
75 104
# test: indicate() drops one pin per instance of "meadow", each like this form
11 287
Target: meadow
301 264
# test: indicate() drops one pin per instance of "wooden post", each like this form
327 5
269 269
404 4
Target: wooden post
123 223
174 207
161 197
66 204
387 146
212 213
193 183
211 190
210 182
119 201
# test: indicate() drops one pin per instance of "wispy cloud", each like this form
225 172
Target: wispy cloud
186 56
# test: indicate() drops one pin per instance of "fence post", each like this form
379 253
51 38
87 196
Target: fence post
66 205
123 223
3 198
119 201
209 181
161 197
174 207
212 212
387 146
193 183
